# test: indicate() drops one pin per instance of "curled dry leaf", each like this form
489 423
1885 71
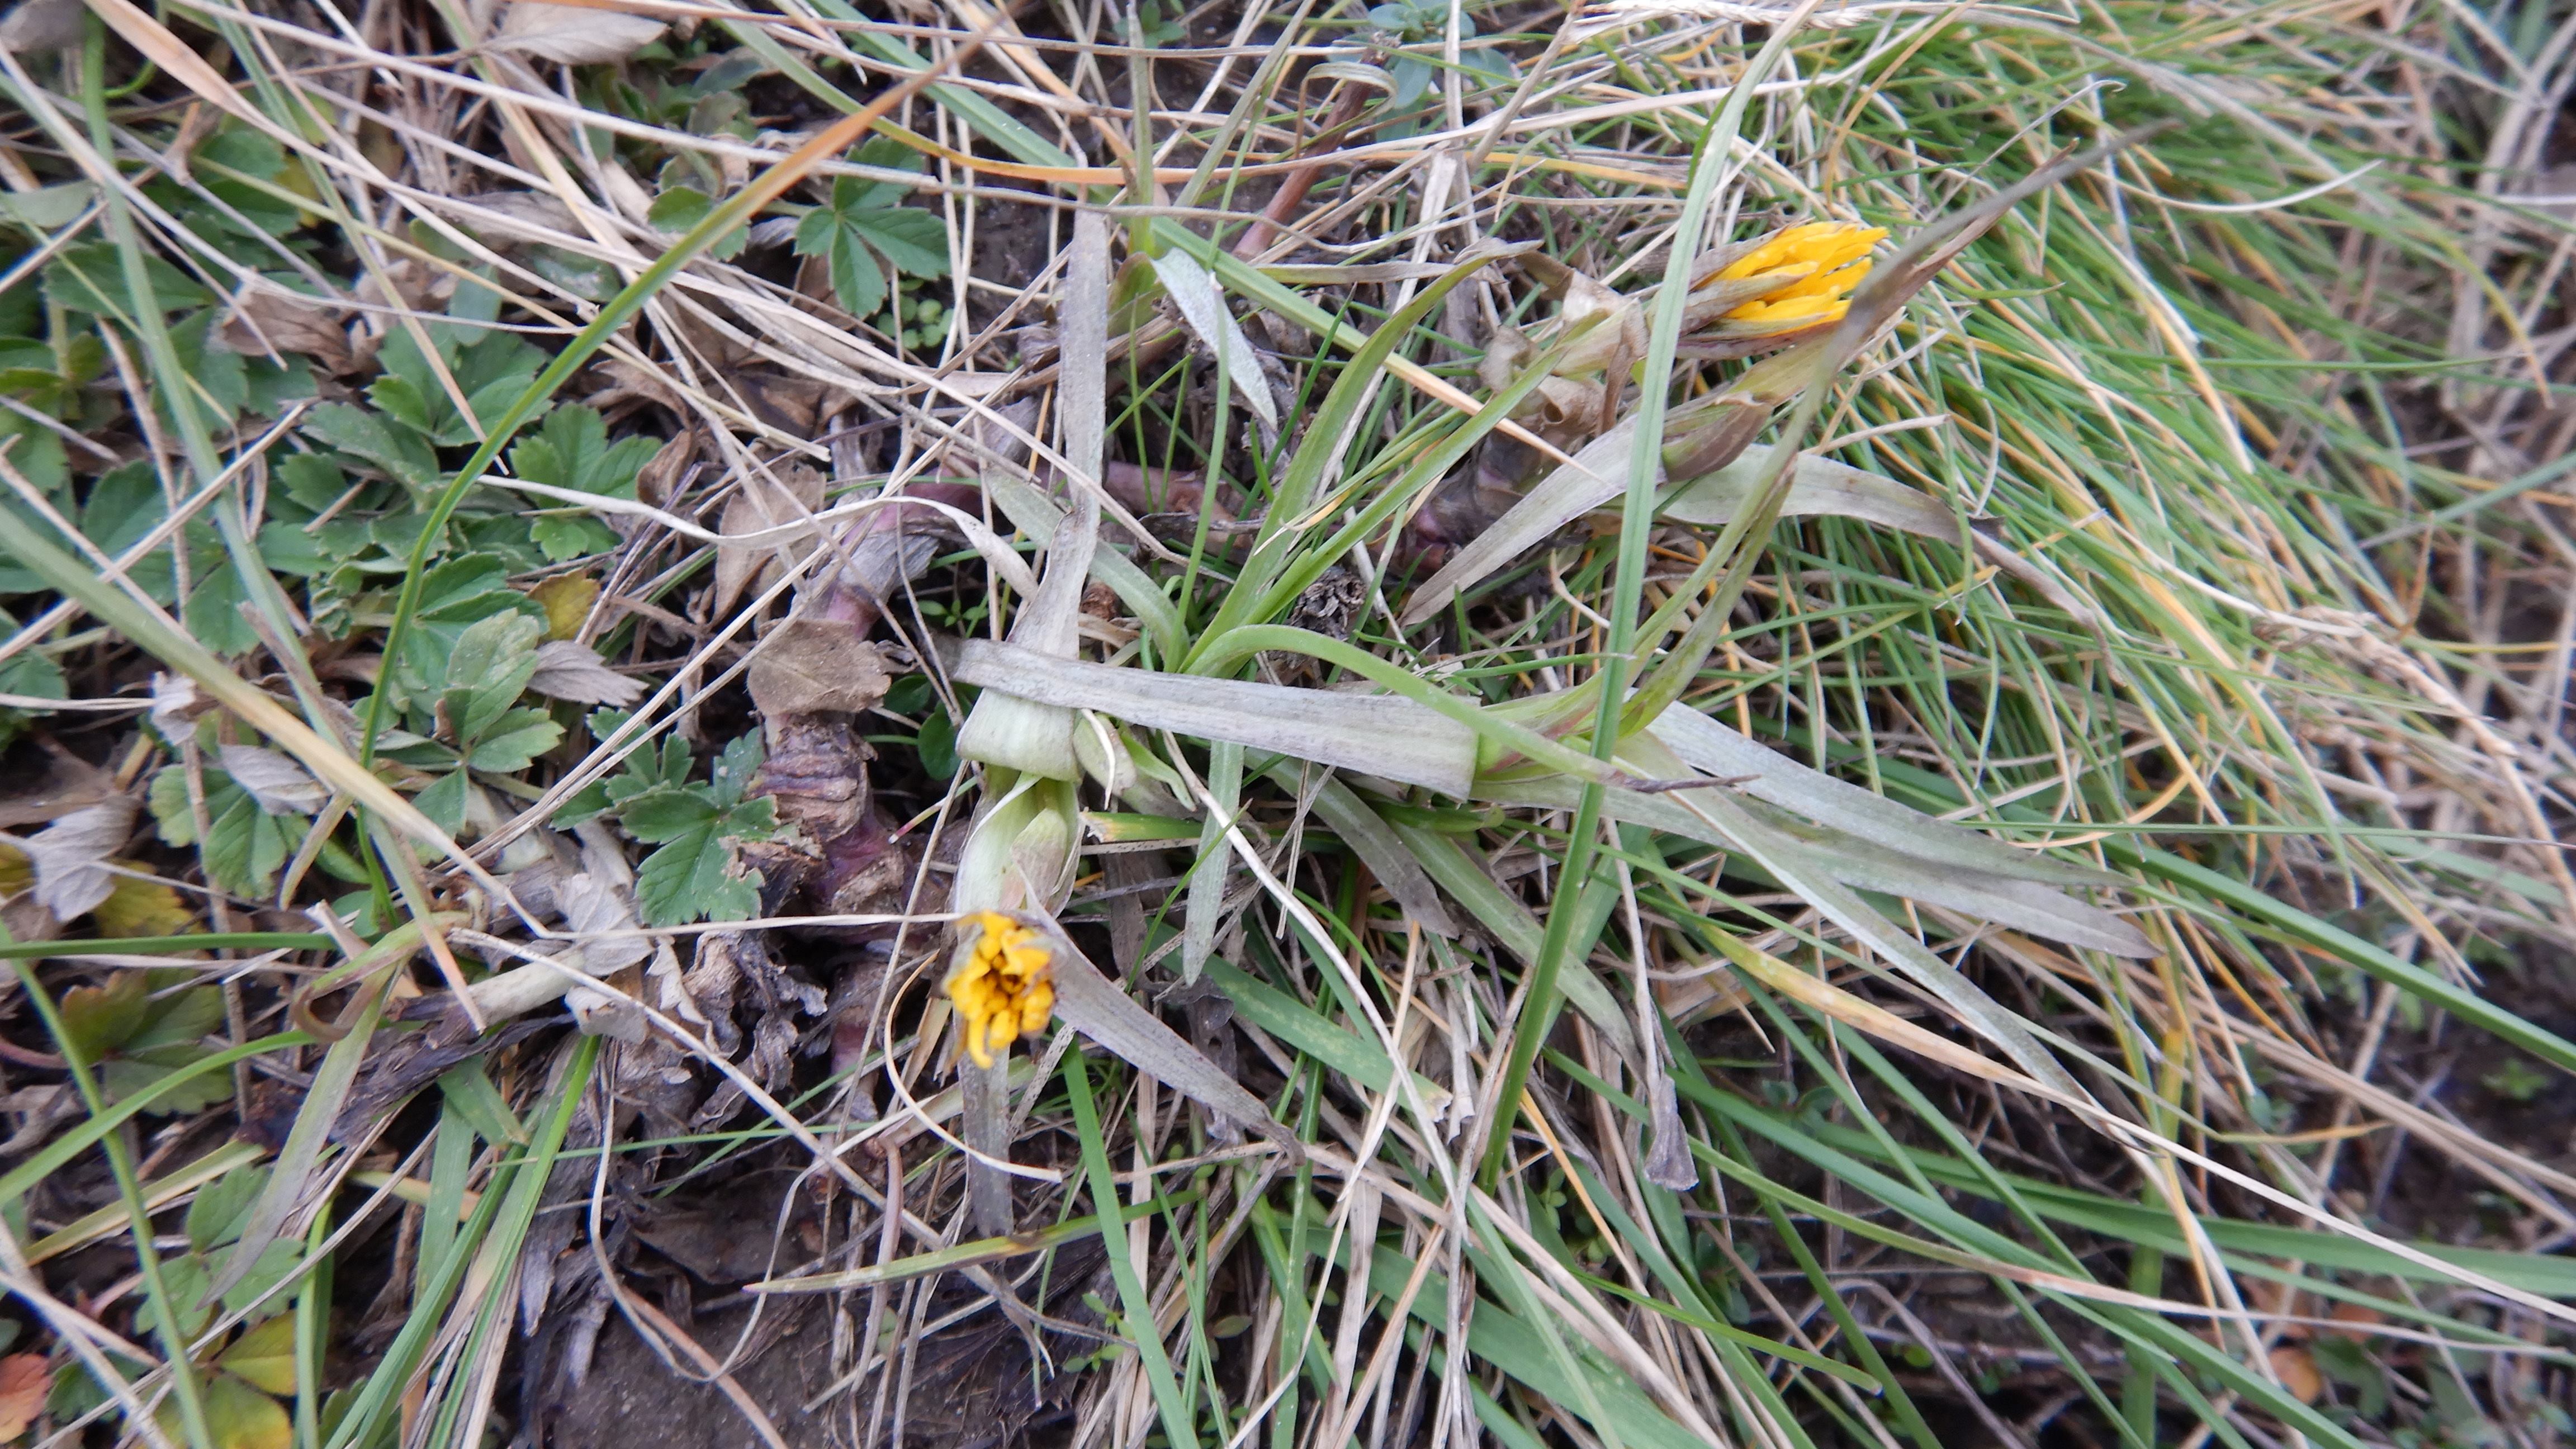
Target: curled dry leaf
660 477
268 318
176 703
781 497
279 784
36 25
24 1382
2298 1372
809 665
1202 306
568 670
573 34
70 857
593 905
49 787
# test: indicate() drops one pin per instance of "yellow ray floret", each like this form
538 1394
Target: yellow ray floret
1829 258
1004 990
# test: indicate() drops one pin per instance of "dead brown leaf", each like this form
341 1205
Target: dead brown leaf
2298 1373
51 787
782 496
267 318
24 1381
806 665
573 34
574 671
661 475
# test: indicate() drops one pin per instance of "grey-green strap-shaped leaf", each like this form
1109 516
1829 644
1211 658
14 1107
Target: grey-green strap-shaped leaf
1004 729
1039 516
1094 1005
1976 1010
1204 911
1336 1046
1393 738
1203 308
1821 850
1767 774
1376 844
1819 486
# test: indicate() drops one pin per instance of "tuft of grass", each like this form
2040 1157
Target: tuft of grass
508 517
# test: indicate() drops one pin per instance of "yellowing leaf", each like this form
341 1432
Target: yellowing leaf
137 908
566 599
237 1417
265 1355
2298 1373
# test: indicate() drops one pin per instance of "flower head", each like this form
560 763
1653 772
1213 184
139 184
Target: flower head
1826 258
1004 989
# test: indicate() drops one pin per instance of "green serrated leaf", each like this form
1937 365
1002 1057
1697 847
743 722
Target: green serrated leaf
213 614
401 454
98 1019
215 1217
911 238
561 538
516 740
275 1264
169 800
865 221
572 451
667 813
735 768
238 1416
487 669
682 207
178 1020
92 279
444 801
185 1276
695 877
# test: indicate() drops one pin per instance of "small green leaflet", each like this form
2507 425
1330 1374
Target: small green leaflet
866 220
682 207
244 844
572 451
491 664
694 875
136 1038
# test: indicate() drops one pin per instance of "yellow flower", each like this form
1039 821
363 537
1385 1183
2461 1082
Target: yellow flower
1828 258
1003 991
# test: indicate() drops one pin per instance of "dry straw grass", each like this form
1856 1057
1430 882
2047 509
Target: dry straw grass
2199 551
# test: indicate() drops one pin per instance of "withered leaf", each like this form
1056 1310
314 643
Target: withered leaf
268 317
805 665
279 784
574 671
784 496
69 856
573 34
